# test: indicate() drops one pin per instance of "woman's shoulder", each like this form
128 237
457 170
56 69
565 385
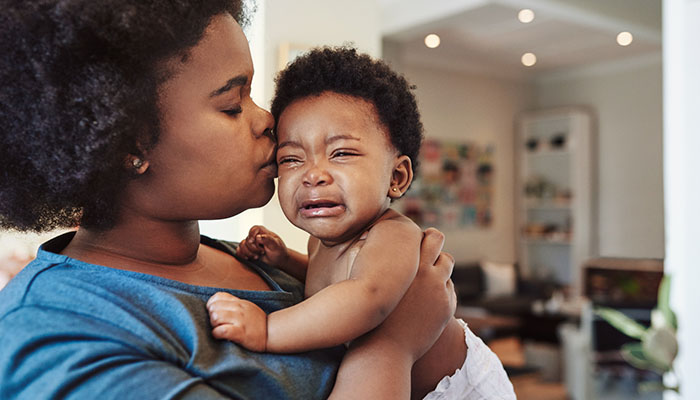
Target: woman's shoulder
278 280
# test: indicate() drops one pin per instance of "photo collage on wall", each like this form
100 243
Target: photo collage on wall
453 188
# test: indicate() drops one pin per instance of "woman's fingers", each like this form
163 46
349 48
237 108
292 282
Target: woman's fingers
428 304
430 247
445 264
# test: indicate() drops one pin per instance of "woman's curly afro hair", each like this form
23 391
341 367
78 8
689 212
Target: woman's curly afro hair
79 94
345 71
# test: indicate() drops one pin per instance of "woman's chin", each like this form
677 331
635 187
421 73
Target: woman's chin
261 195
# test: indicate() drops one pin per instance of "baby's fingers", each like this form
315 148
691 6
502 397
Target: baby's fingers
225 309
249 249
233 332
220 296
271 242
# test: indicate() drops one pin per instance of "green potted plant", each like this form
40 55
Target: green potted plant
657 346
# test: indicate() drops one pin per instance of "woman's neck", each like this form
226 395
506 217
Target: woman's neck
138 243
171 251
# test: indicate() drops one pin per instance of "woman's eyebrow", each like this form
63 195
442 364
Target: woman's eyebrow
239 80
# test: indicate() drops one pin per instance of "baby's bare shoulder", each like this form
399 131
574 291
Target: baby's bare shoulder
396 224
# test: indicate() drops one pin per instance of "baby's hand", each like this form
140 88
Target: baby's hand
264 245
239 321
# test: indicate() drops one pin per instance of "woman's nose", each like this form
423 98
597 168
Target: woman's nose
317 175
262 123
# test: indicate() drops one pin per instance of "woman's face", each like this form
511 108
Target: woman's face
215 156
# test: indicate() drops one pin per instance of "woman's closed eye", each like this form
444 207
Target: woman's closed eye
233 111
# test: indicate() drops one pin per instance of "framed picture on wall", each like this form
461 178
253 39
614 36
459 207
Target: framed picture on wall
453 188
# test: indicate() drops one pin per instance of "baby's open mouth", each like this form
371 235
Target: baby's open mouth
321 208
319 205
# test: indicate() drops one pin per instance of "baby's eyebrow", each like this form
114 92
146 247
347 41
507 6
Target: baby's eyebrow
335 138
329 140
287 143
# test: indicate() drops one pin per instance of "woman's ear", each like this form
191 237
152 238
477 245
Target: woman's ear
136 161
136 164
401 177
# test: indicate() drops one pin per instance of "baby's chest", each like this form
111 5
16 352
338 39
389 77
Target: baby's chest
326 269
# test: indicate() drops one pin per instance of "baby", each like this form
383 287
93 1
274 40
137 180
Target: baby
348 134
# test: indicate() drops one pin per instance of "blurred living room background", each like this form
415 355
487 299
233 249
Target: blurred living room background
544 165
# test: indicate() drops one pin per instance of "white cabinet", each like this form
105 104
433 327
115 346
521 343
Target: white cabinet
555 194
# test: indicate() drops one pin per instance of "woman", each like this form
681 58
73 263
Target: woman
133 120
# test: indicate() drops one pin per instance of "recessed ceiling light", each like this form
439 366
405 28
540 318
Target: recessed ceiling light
526 15
432 41
528 59
624 38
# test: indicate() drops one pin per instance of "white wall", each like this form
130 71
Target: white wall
627 100
309 23
456 106
681 166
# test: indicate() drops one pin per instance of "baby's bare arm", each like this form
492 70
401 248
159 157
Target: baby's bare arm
377 365
296 264
382 272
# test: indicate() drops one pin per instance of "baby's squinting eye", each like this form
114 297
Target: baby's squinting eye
286 160
344 153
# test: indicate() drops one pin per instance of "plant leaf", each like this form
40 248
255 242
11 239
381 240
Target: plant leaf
634 354
664 305
621 322
660 347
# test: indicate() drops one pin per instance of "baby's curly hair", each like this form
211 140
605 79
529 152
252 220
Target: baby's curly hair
345 71
79 94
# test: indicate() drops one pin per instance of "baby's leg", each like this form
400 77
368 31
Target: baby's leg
446 356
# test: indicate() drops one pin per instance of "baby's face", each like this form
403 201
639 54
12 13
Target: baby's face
335 165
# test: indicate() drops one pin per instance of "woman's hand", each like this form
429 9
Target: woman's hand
378 365
429 303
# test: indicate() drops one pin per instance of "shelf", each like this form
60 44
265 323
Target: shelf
547 205
548 153
555 193
546 242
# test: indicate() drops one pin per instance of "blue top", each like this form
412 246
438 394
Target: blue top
70 329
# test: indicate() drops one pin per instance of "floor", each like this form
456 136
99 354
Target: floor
527 386
531 386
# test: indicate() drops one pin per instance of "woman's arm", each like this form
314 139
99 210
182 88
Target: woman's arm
378 365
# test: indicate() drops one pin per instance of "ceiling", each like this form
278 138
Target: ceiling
485 36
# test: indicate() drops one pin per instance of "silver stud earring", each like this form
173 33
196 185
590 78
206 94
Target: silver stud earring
137 163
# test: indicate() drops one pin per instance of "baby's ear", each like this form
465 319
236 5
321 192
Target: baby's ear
401 177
